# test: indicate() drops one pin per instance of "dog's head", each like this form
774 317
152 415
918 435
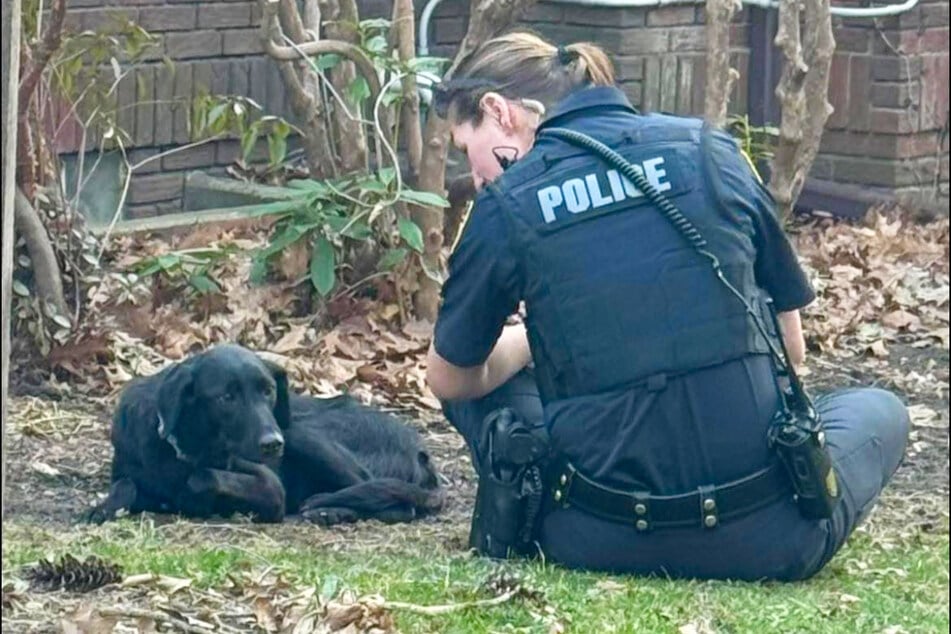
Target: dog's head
222 403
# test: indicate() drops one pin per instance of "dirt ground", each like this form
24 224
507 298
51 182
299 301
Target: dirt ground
58 451
58 465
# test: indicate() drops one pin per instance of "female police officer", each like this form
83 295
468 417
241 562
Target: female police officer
653 381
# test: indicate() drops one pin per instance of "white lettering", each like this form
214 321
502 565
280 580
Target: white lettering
576 196
654 173
617 190
550 199
594 188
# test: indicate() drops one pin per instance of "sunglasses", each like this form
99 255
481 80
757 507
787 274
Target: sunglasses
450 91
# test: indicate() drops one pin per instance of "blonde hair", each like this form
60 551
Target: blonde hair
521 65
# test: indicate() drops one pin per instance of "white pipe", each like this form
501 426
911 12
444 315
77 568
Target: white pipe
843 12
627 3
424 18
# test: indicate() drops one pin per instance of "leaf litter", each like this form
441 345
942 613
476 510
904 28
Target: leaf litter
881 318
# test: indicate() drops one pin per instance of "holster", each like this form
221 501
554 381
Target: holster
507 511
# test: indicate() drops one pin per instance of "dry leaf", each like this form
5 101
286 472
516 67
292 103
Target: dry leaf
264 613
878 349
924 416
291 341
901 320
86 620
45 469
307 624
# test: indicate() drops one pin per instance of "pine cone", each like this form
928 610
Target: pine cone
502 582
72 575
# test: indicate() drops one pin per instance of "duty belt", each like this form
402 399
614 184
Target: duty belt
707 506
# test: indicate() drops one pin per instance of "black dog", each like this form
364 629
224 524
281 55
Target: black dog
220 433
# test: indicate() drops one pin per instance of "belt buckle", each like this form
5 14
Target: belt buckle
642 510
709 508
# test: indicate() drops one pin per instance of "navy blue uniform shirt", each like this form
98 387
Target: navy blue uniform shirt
483 287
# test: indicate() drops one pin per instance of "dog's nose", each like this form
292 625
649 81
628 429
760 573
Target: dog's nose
272 444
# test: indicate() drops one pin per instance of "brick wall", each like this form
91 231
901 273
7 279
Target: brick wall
889 86
659 54
216 47
889 82
891 109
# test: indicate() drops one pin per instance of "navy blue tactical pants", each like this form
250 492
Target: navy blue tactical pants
866 428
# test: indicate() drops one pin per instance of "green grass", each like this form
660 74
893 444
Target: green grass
873 585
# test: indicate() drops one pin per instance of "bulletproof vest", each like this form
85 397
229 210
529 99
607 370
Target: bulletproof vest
615 296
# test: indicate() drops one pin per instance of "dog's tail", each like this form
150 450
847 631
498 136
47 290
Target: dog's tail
381 494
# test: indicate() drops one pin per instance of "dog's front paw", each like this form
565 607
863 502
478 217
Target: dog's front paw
122 495
202 481
329 515
98 515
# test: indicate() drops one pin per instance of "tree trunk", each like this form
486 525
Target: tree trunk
280 17
487 18
10 76
803 94
310 106
47 278
405 25
340 18
28 165
720 76
428 219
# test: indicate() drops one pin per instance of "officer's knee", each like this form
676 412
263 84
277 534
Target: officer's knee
893 425
891 411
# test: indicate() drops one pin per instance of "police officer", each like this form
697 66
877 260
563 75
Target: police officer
652 380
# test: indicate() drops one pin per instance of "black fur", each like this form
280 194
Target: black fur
220 433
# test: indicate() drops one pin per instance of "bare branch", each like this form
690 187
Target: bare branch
152 615
404 25
720 76
351 52
305 103
291 21
341 18
46 274
49 44
312 15
803 92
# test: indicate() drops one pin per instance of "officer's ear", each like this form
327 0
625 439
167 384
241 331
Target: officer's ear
498 107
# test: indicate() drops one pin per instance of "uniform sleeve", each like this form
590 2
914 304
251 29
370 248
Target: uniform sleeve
777 268
481 290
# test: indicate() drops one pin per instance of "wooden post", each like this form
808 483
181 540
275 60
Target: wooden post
11 78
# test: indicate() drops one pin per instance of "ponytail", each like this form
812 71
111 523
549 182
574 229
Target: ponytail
522 65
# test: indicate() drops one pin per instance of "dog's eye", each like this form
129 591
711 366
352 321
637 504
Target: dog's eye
225 398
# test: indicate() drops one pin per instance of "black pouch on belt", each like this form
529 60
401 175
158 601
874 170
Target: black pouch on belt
796 435
511 489
799 441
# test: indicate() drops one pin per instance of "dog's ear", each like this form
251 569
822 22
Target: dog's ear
176 395
282 406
